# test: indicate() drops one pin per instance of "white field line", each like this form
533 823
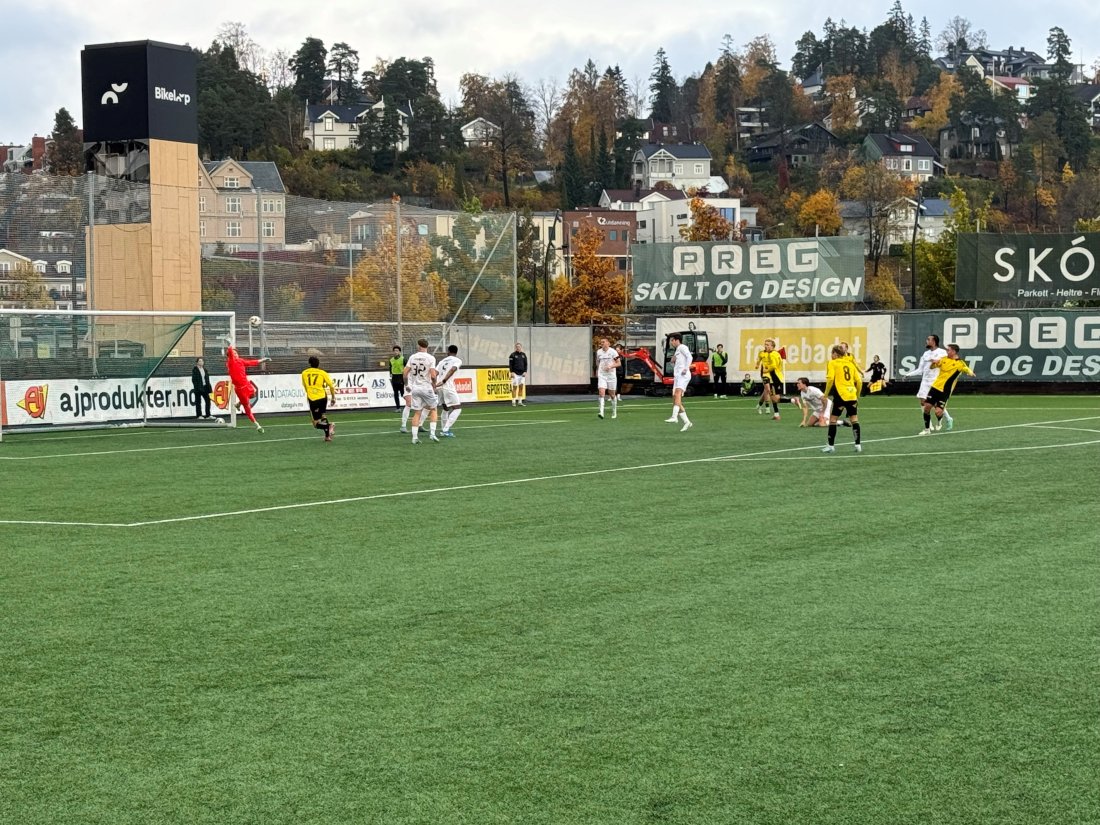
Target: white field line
760 455
1053 427
253 443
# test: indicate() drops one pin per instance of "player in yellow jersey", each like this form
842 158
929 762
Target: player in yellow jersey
951 366
320 391
843 383
770 364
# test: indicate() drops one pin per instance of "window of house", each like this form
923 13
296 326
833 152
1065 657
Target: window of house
5 266
64 267
924 165
40 267
233 204
905 147
232 182
622 264
698 169
641 224
653 167
232 249
328 144
329 124
232 229
202 229
892 163
269 229
907 164
678 169
268 206
202 203
612 235
422 229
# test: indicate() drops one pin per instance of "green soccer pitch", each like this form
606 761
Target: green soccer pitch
553 618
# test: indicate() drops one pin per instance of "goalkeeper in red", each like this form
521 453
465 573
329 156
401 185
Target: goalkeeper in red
238 375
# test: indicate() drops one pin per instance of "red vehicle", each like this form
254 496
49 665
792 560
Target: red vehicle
696 341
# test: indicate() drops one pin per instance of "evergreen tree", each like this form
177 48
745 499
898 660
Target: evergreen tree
65 156
663 88
605 163
572 175
343 61
236 114
309 64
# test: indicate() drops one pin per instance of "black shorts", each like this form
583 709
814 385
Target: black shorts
317 407
937 398
773 379
839 404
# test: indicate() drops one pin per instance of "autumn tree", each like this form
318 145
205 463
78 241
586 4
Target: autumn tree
371 290
877 191
936 260
28 288
819 214
840 91
596 294
939 97
708 224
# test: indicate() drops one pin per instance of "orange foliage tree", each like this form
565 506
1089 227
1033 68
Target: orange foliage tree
370 292
820 213
707 224
596 294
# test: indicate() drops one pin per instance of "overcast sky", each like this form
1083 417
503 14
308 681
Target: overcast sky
40 56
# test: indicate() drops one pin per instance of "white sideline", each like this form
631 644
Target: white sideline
770 455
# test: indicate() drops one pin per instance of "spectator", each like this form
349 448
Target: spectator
200 380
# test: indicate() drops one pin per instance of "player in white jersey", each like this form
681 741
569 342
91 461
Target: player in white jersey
932 352
815 406
452 404
420 376
681 377
406 411
607 364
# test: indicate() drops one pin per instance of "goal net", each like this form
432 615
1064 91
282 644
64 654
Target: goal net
66 369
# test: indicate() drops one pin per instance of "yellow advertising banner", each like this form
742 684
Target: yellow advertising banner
494 385
807 349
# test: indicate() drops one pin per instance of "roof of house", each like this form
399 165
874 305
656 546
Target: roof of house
815 78
346 113
684 151
770 139
936 207
1011 82
889 144
933 208
1087 92
265 174
630 196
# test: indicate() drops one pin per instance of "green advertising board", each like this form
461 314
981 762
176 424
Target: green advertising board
796 271
1009 345
1021 268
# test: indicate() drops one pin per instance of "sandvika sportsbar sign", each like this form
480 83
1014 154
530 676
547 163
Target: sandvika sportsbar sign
1014 268
810 270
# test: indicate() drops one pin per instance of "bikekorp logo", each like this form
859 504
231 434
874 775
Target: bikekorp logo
171 96
111 96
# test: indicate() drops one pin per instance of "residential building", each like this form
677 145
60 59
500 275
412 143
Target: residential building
979 138
680 165
1089 94
660 214
899 223
908 156
29 158
242 204
1020 88
803 145
332 126
479 132
61 272
814 85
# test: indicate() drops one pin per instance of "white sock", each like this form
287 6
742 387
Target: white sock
683 414
431 427
675 411
946 415
601 405
405 415
416 431
451 419
614 406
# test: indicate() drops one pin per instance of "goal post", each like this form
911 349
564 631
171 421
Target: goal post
70 369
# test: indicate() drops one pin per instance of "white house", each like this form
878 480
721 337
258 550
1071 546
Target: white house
333 126
683 165
661 214
479 132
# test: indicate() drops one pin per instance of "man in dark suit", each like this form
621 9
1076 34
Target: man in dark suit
200 381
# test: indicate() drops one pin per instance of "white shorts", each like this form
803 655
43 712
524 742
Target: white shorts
424 398
518 380
449 395
925 388
606 381
680 382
